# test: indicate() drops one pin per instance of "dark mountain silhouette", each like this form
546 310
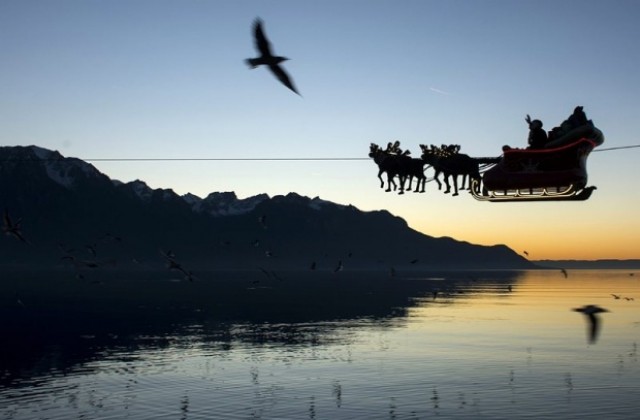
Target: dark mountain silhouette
68 207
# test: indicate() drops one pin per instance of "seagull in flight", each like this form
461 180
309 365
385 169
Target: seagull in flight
591 311
267 58
262 219
12 228
339 267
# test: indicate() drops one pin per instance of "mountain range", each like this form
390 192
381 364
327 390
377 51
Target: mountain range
70 211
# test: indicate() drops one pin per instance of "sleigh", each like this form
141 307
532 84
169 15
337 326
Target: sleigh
557 172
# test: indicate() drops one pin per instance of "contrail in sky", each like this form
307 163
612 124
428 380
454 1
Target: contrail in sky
442 92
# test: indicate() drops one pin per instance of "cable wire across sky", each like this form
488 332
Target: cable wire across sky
332 159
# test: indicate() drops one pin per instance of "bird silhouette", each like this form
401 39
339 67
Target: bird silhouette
564 272
91 249
339 267
266 58
262 219
174 265
265 272
591 311
12 228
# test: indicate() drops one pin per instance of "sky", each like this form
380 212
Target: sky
146 79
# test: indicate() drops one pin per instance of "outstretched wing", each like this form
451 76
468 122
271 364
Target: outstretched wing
262 43
283 77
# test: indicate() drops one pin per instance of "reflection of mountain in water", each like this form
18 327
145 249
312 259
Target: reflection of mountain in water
58 322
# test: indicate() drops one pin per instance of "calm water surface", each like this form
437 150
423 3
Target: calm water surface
293 346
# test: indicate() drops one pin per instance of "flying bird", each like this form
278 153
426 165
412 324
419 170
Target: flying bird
174 265
12 228
591 311
266 58
339 267
564 272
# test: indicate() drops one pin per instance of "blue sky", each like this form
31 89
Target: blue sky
166 79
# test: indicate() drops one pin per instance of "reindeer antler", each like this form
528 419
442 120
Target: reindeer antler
528 119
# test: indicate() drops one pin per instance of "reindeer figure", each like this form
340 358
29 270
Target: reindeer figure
386 163
396 162
445 161
414 168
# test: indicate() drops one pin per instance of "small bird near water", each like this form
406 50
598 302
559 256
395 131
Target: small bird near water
591 312
266 58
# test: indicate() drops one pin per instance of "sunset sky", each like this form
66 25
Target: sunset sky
166 79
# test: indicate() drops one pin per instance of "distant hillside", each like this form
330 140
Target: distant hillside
607 264
70 210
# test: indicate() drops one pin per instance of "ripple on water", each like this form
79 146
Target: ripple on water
488 353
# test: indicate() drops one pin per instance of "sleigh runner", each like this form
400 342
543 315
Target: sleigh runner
558 173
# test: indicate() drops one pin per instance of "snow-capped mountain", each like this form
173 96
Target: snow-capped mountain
68 201
224 203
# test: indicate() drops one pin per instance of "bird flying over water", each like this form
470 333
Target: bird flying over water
339 267
266 58
174 265
591 312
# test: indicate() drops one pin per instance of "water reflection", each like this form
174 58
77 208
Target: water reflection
487 345
59 322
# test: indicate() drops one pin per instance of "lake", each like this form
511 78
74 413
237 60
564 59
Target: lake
318 345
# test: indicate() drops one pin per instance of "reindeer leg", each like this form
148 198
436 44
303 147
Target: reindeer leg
455 185
419 184
446 182
438 180
380 172
389 181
